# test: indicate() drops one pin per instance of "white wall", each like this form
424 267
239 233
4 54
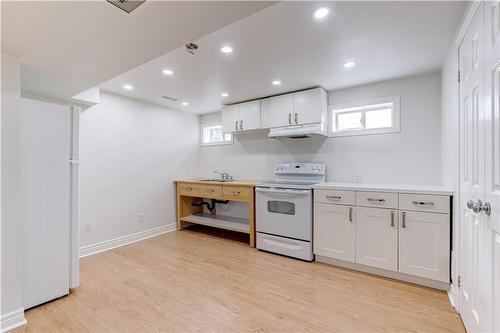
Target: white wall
11 229
409 157
130 152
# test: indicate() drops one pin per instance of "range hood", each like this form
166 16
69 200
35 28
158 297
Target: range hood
298 131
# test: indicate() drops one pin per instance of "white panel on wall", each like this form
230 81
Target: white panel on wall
130 152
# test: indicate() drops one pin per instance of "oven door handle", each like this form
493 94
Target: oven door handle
282 191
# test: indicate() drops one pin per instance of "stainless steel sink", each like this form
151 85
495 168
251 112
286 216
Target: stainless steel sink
217 180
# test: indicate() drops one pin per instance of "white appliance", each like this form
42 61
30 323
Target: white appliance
283 209
49 199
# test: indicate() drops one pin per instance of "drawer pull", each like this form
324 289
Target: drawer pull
350 214
189 188
334 197
375 200
210 190
392 218
423 203
236 192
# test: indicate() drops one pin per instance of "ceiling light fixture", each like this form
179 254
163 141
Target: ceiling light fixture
321 13
168 72
226 49
128 87
224 94
349 64
276 82
185 103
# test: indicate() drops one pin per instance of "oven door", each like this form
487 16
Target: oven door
284 212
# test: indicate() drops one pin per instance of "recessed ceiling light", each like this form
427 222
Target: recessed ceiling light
321 13
128 87
349 64
224 94
168 72
185 103
276 82
226 49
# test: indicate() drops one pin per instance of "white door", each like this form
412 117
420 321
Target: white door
492 140
377 238
250 115
335 231
475 233
424 245
45 170
230 118
309 106
280 111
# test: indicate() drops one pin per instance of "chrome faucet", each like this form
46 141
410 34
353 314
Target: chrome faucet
224 175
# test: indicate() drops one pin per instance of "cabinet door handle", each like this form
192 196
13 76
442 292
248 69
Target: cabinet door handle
350 214
334 197
241 125
375 200
236 124
296 118
423 203
290 118
403 220
392 218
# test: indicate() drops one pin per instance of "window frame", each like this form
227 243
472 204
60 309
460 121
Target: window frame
211 144
396 117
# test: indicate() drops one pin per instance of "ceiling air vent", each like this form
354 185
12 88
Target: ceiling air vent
126 5
170 98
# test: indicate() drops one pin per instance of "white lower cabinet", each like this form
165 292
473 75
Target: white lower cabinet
335 231
408 244
424 245
377 238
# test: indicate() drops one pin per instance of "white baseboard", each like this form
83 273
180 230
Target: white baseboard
124 240
12 320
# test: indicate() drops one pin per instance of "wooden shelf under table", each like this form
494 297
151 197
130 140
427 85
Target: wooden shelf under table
219 221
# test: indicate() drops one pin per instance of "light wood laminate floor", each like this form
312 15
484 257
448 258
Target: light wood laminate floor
196 281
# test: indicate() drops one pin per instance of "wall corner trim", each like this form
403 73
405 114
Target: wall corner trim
124 240
12 320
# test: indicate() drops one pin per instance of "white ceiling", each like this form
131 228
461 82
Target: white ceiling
385 39
70 46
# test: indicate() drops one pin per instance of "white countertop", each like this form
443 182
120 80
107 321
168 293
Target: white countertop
403 188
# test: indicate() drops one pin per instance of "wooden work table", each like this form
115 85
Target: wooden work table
191 191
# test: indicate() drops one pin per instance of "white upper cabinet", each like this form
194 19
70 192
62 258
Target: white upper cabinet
280 111
249 116
230 118
309 106
377 238
241 117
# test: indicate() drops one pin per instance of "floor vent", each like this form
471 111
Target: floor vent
126 5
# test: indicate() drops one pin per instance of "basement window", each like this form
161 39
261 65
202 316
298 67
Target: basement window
363 118
212 135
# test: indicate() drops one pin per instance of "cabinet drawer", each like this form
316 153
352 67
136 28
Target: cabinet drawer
189 189
236 192
425 203
210 191
334 196
377 199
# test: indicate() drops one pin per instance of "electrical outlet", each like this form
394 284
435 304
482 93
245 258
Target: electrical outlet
88 226
140 217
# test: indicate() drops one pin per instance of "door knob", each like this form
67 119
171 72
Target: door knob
479 206
485 207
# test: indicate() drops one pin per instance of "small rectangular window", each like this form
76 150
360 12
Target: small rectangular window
212 135
362 118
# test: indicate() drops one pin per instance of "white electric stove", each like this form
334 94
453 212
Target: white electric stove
284 210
